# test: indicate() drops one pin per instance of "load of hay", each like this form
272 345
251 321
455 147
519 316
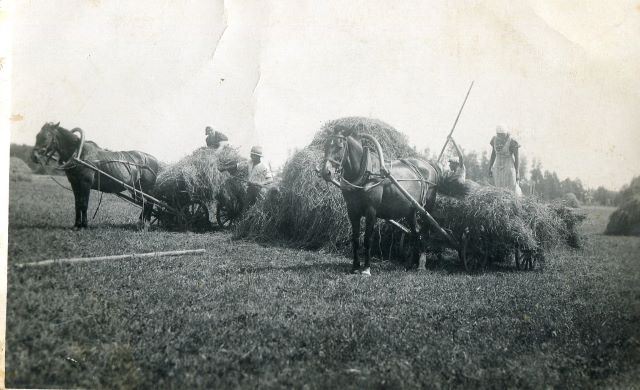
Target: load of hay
625 221
306 211
497 222
309 213
19 170
195 177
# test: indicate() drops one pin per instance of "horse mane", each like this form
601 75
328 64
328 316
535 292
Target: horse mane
70 134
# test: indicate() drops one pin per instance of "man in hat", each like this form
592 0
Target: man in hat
260 176
504 155
215 139
458 170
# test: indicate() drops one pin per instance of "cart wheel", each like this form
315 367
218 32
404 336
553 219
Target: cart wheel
195 217
223 216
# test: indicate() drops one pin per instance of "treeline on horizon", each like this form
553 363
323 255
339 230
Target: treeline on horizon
542 183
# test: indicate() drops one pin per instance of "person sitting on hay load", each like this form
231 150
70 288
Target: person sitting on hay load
216 140
260 177
458 172
454 180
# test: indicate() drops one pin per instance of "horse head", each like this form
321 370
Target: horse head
335 151
45 142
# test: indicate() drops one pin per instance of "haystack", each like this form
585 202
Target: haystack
625 221
195 177
308 212
19 170
571 200
394 144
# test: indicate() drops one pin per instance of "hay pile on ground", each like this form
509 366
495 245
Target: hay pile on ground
308 212
625 221
19 170
195 177
571 200
497 222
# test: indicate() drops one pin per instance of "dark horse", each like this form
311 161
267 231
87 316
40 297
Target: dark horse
136 169
374 197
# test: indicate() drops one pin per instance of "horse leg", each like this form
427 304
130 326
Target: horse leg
77 203
370 221
85 192
145 215
418 256
355 241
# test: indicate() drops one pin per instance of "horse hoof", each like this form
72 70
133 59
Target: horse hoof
355 271
366 272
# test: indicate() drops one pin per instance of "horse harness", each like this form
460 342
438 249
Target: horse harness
367 179
71 164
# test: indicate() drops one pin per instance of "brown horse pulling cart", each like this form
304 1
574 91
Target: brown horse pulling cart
381 195
89 167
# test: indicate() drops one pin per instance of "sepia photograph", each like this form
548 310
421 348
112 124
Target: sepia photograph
231 194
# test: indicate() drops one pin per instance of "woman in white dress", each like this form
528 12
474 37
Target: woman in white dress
504 164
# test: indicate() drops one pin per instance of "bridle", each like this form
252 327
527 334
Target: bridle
343 183
338 165
52 147
49 149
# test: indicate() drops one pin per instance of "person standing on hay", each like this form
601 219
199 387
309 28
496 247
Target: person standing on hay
216 140
504 155
260 176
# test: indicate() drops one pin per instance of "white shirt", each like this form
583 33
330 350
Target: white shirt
260 173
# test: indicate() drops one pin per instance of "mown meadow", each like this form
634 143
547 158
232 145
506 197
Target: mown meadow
250 315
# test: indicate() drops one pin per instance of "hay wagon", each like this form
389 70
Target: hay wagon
470 255
184 213
231 200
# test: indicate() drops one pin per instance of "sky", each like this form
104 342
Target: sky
151 75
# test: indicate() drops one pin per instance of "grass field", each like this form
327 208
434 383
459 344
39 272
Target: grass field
245 315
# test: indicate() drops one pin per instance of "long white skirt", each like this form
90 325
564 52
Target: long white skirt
504 175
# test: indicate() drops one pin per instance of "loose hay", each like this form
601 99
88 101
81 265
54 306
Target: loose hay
625 221
394 144
195 177
497 222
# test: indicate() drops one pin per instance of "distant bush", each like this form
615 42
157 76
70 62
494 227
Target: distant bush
625 221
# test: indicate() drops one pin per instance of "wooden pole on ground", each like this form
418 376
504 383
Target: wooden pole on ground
114 257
